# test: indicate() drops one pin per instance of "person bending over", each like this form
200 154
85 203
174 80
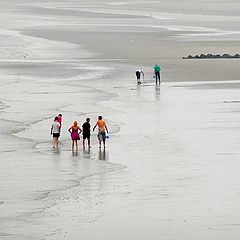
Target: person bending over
138 76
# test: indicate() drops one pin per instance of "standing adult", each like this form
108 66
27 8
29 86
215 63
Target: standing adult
157 71
55 131
138 76
86 127
75 130
101 130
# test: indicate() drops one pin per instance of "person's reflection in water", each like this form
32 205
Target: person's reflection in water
74 153
86 152
102 155
56 151
157 92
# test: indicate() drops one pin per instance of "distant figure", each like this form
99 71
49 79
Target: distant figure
101 131
138 75
55 131
157 71
75 130
86 127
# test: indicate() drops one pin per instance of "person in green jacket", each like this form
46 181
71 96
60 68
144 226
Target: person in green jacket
157 70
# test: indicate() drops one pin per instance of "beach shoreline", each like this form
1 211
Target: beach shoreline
170 168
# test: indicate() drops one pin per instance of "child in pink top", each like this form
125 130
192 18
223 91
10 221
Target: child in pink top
60 121
60 118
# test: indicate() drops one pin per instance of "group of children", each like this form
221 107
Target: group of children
75 131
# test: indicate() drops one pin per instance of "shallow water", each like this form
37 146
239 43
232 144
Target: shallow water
181 153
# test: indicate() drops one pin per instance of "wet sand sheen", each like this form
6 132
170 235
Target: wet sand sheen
179 144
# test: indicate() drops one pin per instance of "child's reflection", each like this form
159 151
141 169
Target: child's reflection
102 155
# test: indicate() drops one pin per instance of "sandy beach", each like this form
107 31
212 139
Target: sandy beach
171 166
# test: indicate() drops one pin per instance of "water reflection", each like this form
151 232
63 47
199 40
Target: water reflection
102 154
74 153
157 92
86 152
56 151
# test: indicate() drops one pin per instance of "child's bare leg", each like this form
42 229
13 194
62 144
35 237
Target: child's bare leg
53 142
99 139
89 145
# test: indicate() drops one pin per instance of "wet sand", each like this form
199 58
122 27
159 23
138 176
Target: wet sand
170 169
